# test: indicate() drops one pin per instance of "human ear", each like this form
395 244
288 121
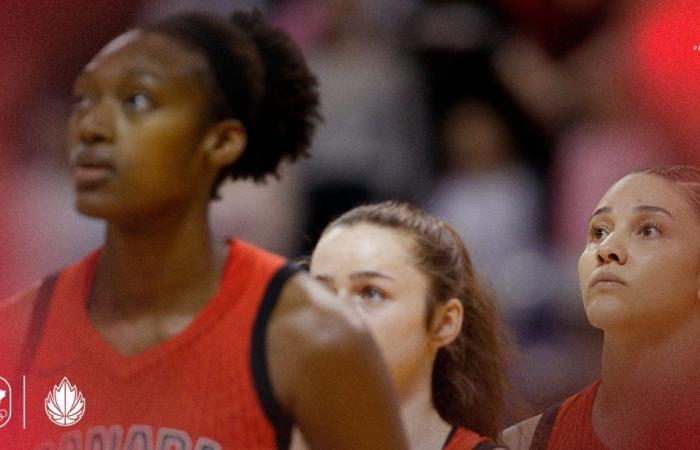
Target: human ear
447 322
225 142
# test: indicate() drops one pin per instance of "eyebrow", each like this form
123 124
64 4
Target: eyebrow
370 274
642 208
357 275
599 211
323 278
145 75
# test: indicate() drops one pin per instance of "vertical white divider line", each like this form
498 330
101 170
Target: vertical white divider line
24 402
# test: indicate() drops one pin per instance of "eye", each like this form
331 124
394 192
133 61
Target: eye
82 102
139 102
649 230
597 233
372 295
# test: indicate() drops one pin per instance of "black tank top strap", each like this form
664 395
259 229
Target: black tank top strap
36 323
488 445
540 438
450 435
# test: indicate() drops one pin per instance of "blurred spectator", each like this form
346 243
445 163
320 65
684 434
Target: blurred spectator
585 101
371 144
490 197
453 40
269 214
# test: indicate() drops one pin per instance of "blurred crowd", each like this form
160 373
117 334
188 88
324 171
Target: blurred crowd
508 118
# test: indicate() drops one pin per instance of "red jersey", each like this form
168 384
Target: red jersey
569 426
464 439
572 426
205 389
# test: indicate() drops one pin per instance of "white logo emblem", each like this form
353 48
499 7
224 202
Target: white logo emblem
65 404
5 402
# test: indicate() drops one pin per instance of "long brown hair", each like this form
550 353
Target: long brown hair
469 378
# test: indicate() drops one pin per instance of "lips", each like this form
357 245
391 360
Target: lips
91 167
606 280
90 176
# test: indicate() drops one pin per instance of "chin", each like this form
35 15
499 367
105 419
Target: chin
89 210
607 313
96 208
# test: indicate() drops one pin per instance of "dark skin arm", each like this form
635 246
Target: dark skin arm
328 373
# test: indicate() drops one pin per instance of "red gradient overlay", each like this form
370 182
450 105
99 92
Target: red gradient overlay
665 68
43 45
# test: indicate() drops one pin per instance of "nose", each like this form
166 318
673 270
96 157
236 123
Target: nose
612 250
94 123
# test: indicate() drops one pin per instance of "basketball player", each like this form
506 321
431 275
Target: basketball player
410 276
164 337
640 281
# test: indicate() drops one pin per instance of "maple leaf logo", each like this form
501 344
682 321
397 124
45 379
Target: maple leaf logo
65 404
5 406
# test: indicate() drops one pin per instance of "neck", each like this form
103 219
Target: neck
647 379
424 426
168 265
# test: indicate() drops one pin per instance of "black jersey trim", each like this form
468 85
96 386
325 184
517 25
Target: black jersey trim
274 412
450 435
40 314
540 438
488 445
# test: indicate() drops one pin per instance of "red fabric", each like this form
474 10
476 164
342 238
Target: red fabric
573 427
195 388
465 439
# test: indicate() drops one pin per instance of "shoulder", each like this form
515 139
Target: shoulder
519 436
18 303
25 313
15 316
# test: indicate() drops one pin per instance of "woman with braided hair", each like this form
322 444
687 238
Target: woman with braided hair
165 337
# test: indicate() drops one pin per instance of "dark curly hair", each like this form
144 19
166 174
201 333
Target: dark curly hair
264 82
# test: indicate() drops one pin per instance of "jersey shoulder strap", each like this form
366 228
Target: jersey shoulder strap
40 313
540 438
